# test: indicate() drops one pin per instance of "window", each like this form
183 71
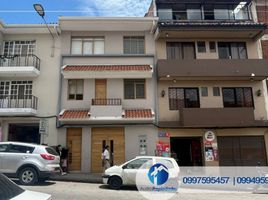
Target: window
17 89
134 88
138 163
237 97
194 12
19 47
50 150
216 91
87 46
183 98
204 91
75 89
165 14
20 149
165 162
232 50
134 45
212 47
4 147
201 47
180 50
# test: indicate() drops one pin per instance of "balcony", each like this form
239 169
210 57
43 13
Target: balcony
19 65
18 105
106 108
216 117
213 69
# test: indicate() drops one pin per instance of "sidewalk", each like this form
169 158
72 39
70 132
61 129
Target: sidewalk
78 177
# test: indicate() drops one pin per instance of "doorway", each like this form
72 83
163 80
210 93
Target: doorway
100 88
28 133
115 138
74 145
187 151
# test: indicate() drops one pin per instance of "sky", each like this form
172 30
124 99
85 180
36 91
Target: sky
22 11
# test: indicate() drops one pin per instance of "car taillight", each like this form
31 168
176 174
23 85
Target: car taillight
47 156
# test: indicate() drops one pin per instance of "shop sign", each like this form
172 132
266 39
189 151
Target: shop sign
43 126
210 136
162 149
163 134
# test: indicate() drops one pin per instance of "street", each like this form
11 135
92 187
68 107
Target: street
85 191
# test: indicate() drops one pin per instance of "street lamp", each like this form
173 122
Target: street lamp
41 12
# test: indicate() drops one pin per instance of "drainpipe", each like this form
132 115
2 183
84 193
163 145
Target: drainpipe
60 92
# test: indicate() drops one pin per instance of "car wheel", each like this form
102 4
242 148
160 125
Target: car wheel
115 182
28 176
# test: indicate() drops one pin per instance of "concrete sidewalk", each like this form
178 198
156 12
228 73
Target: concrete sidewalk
78 177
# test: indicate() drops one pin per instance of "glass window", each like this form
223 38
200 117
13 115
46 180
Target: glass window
134 88
50 150
136 164
232 50
237 97
8 189
216 91
134 45
87 46
183 98
4 147
201 46
212 47
165 162
180 50
19 47
194 12
75 89
165 14
20 149
204 91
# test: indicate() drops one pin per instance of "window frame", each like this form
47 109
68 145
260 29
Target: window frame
184 97
85 39
131 38
181 49
229 46
75 95
235 97
135 88
198 47
10 46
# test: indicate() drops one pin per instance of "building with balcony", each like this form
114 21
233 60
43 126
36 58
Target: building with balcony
108 88
211 91
28 83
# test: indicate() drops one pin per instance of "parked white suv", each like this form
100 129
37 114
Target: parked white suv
28 162
125 174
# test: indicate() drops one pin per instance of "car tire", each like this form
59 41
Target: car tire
115 182
28 176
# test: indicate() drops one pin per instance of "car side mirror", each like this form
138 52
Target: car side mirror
124 167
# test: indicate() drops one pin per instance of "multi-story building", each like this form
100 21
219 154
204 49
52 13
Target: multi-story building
107 98
211 94
262 15
29 82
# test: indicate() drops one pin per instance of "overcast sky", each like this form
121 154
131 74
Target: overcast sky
21 11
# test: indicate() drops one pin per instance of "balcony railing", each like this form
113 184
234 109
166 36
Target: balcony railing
18 101
19 61
106 102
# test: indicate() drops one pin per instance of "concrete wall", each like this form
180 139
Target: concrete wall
161 48
210 101
46 85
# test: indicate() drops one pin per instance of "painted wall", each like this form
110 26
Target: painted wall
210 101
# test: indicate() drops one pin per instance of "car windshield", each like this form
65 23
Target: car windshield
8 189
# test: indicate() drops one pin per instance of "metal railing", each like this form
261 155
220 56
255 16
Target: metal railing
19 60
18 101
106 102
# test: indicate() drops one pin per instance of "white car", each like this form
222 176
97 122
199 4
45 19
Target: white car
10 191
125 174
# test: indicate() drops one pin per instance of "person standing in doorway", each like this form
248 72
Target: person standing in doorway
106 158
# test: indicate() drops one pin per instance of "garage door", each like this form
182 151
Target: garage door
114 137
74 142
242 151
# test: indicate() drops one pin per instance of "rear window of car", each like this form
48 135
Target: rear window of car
8 189
165 162
50 150
20 149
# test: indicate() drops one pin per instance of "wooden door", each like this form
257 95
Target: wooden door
100 88
115 138
74 143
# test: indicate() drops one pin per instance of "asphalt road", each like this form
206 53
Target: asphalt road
86 191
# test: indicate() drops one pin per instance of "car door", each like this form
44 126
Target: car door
3 152
130 169
16 156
